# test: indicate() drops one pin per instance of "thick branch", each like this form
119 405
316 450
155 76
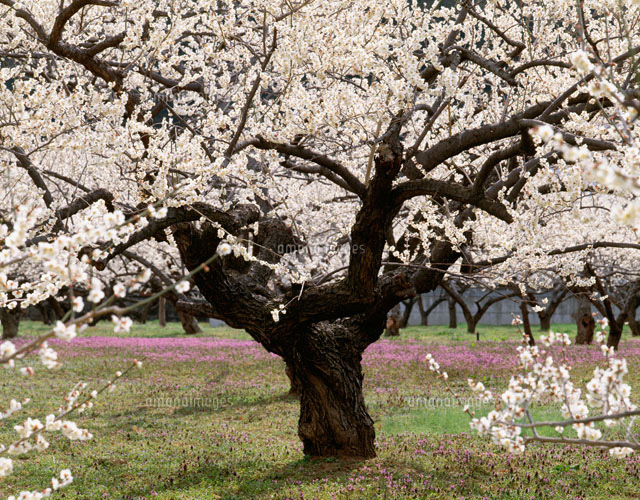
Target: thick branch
303 153
68 12
25 162
451 191
107 43
230 221
84 201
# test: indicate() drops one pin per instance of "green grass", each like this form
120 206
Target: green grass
437 333
428 420
232 434
149 329
442 333
429 334
452 420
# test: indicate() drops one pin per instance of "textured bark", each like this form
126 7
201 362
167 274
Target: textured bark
453 318
162 312
144 313
10 322
526 324
545 322
584 321
471 325
323 358
333 417
424 317
295 384
615 334
634 326
393 322
189 323
322 355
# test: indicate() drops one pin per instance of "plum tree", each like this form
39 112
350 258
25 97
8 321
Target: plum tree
339 156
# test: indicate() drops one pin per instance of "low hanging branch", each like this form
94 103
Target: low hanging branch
606 392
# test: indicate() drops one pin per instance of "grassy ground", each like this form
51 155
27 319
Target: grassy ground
442 333
207 418
429 334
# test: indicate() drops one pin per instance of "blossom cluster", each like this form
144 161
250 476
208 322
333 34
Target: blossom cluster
544 380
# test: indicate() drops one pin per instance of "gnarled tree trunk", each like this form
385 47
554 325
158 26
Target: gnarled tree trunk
634 326
545 322
631 318
323 358
295 384
424 317
162 312
189 323
471 323
333 417
393 322
143 313
615 334
526 324
453 318
10 322
324 355
584 321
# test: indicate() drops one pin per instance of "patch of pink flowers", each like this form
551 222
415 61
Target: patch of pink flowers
461 356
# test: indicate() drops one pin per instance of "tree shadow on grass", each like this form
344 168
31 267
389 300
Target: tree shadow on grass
213 404
298 472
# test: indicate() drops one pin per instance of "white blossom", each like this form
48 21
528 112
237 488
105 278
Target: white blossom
224 249
64 332
122 324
